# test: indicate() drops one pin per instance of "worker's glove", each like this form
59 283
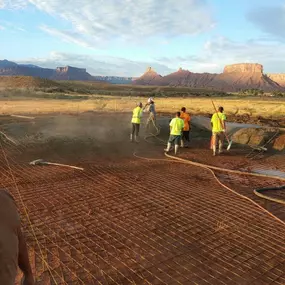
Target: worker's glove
223 130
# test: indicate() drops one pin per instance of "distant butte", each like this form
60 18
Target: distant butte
244 68
235 77
148 77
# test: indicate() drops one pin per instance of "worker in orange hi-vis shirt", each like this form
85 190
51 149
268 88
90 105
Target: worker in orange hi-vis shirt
186 131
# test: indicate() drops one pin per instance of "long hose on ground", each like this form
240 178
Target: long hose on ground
238 172
259 191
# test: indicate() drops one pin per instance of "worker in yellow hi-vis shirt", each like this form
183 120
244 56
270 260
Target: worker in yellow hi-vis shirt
176 128
218 123
136 121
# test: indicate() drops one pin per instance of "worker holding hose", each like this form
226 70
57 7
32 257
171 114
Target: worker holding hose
13 248
176 129
152 114
218 123
136 121
186 131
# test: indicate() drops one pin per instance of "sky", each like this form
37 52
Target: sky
124 37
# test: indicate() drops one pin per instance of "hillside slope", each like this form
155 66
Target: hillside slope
26 82
150 77
235 77
242 76
278 77
185 78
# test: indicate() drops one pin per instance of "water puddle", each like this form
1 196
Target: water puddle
270 172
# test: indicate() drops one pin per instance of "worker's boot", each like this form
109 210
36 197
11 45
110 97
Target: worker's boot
168 147
220 147
214 150
131 138
137 139
182 143
176 148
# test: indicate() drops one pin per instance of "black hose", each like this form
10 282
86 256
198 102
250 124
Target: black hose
259 191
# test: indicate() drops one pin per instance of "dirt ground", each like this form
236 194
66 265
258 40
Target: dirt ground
133 217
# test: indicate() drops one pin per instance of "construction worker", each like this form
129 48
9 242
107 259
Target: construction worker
176 128
185 134
152 114
218 123
13 248
136 121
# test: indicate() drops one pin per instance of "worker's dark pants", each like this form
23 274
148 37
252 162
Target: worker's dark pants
185 136
135 129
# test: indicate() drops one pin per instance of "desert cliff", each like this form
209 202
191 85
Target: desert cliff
148 78
235 78
279 78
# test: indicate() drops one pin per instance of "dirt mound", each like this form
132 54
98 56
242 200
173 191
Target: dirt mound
279 143
25 82
253 136
150 77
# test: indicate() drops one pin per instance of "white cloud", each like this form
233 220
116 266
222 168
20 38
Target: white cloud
13 4
5 25
98 65
221 51
251 50
67 36
128 20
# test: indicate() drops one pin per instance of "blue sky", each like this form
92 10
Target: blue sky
123 37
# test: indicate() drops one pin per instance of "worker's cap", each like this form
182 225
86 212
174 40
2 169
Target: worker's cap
150 100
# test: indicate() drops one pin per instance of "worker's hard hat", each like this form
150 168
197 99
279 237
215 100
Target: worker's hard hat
150 100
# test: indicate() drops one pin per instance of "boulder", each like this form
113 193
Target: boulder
279 143
253 136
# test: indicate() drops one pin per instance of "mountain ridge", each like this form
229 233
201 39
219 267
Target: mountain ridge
234 78
9 68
